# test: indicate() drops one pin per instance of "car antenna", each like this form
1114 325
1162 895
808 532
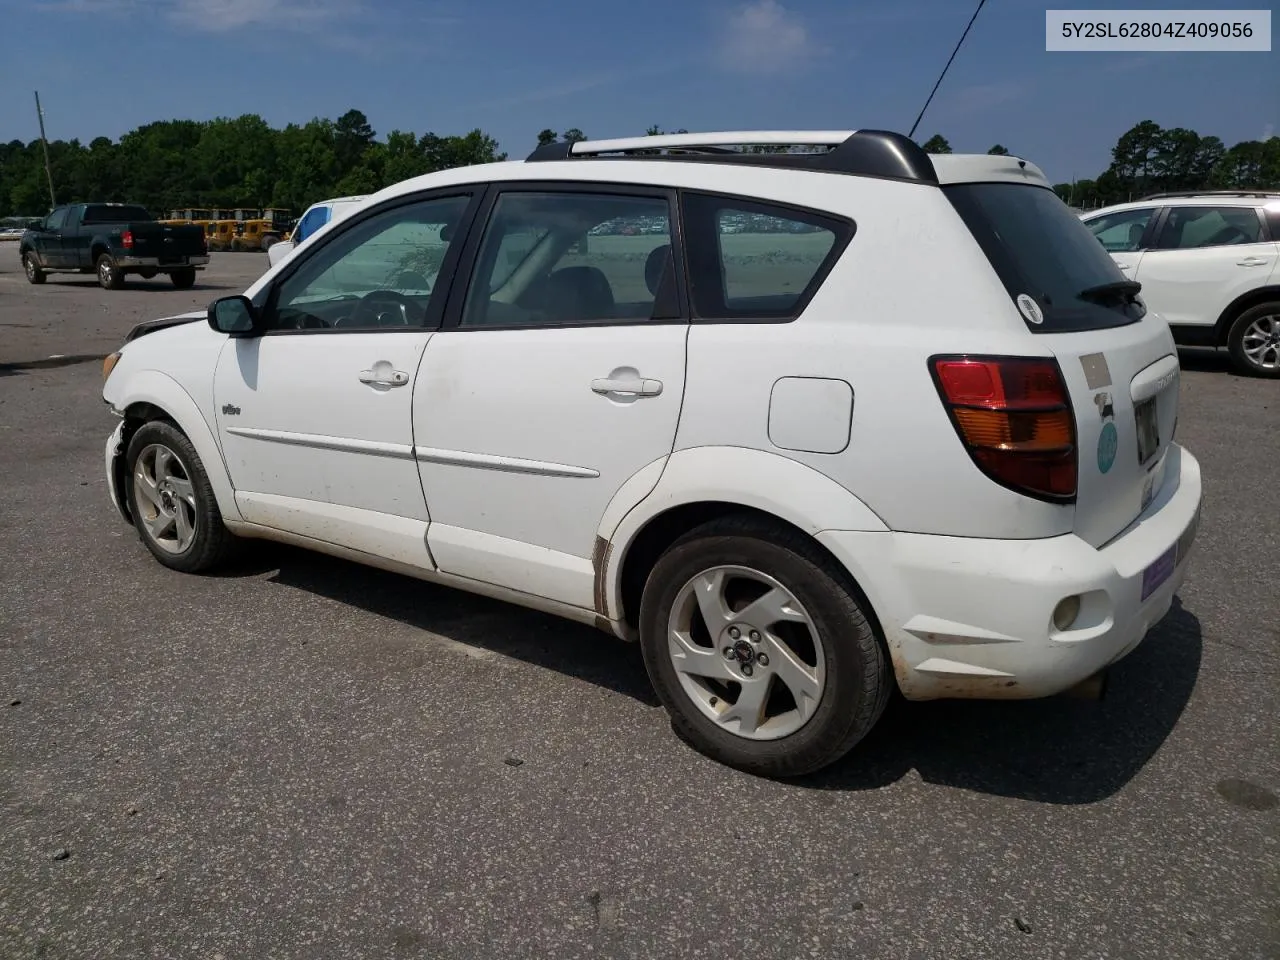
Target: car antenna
920 116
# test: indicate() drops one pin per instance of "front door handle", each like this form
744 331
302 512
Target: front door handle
636 386
1253 262
384 378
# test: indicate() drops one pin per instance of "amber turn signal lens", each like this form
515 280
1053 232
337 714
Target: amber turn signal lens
109 364
1028 432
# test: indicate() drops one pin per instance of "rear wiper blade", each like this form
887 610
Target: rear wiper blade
1104 291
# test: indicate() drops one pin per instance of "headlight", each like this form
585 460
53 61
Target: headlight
108 364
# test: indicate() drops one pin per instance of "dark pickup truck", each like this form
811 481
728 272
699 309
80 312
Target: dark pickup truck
112 240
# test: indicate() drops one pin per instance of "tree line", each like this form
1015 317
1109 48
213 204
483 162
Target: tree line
245 162
1150 159
228 163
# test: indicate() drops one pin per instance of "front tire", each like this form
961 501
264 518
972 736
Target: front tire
173 505
759 647
184 279
109 275
32 270
1254 341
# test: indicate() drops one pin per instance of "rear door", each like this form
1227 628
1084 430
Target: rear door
1202 260
557 379
1117 357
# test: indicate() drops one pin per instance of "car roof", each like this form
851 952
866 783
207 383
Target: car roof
704 159
1189 200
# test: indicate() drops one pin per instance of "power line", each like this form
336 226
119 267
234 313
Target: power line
945 69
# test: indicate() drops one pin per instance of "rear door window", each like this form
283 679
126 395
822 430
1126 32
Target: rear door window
1193 228
757 261
1040 249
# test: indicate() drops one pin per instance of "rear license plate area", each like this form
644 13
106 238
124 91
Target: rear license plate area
1158 572
1148 424
1162 568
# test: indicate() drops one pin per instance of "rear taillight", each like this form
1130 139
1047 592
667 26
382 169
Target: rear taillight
1014 416
126 239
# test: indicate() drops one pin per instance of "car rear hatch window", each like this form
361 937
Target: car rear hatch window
113 213
1054 269
1117 362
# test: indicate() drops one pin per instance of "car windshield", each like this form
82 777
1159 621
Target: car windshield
1041 250
104 213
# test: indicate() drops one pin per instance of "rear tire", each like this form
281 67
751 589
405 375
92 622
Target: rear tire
1254 341
109 275
184 279
803 678
174 509
32 270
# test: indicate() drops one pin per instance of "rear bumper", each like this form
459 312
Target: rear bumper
153 263
974 618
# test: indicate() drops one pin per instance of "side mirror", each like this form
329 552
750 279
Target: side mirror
234 316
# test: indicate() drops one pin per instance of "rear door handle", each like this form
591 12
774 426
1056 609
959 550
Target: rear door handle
637 386
382 378
1253 262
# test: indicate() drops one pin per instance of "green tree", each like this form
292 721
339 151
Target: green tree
998 150
936 144
573 135
547 136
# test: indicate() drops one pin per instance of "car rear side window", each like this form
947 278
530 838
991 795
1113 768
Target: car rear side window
757 261
1191 228
1040 249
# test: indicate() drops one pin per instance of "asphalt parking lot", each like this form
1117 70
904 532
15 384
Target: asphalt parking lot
305 758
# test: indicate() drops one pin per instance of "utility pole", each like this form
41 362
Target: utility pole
53 202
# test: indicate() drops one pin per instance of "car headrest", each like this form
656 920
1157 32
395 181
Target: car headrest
655 266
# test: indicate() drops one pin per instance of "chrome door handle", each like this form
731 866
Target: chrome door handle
1253 262
633 385
397 378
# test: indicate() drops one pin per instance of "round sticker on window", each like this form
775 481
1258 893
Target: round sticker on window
1030 309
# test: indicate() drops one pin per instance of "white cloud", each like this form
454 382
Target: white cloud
763 36
985 96
218 16
1268 132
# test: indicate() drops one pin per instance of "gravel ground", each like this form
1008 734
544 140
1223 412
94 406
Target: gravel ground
305 758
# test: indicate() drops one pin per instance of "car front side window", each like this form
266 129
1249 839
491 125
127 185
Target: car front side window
1121 232
378 272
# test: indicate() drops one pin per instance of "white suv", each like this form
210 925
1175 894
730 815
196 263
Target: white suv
809 425
1209 263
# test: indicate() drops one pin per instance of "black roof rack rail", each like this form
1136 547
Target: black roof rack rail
867 153
1175 194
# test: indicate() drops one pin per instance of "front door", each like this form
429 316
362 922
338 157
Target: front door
1204 258
556 380
1125 234
49 242
314 415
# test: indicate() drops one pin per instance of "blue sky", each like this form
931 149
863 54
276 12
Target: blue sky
613 68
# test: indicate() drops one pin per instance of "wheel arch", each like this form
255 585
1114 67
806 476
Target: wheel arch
151 395
1239 305
706 483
